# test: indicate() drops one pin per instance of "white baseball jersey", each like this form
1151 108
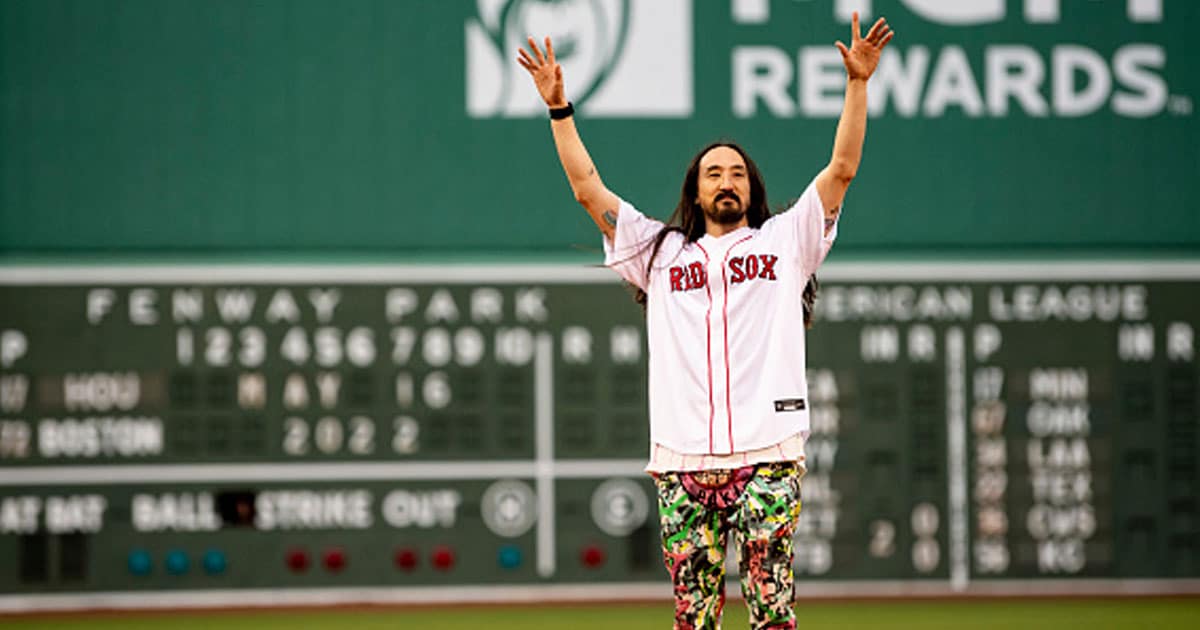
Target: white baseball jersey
726 326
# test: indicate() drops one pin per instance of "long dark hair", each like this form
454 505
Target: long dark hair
688 217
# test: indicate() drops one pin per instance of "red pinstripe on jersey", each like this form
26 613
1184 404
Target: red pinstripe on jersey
725 319
712 408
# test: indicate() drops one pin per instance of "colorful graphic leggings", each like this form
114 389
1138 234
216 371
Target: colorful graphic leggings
759 505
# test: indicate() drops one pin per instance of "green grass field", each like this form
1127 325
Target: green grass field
1155 614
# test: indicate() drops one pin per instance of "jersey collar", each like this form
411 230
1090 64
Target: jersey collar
726 238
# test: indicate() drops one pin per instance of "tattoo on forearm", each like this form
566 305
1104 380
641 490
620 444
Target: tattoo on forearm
610 218
591 171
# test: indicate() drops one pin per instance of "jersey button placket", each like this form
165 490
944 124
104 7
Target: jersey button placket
716 349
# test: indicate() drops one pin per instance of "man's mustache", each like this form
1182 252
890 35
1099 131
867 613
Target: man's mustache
727 195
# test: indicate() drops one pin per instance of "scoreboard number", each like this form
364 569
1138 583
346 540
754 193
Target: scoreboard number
404 439
883 539
328 435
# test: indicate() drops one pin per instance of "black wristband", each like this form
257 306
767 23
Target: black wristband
559 113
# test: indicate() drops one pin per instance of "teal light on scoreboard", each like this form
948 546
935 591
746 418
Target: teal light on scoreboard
974 426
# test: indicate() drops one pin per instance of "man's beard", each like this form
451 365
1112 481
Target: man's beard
724 214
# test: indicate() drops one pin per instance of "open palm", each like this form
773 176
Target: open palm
862 56
546 73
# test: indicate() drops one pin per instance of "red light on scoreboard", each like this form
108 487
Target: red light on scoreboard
334 559
443 558
405 559
592 556
297 560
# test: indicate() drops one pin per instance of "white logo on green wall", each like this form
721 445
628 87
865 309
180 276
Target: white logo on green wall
620 58
1000 70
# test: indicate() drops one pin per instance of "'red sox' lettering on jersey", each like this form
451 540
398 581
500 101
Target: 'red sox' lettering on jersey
741 269
752 267
688 277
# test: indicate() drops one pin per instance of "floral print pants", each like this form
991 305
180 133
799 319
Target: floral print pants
759 505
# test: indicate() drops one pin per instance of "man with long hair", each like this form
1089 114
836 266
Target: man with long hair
724 286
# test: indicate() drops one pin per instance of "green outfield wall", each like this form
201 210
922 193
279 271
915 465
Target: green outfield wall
219 126
296 306
212 435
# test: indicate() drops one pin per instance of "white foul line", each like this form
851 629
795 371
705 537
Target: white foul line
956 454
543 422
658 591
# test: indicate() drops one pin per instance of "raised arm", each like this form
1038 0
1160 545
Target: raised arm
590 192
860 61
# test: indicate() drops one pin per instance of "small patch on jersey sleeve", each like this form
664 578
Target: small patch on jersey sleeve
789 404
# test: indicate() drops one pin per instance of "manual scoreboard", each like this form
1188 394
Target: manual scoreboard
338 429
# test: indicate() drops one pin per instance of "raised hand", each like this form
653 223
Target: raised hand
863 55
546 73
